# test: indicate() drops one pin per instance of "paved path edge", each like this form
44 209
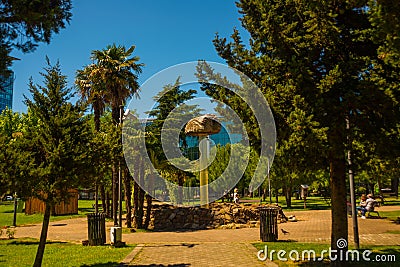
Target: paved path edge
131 255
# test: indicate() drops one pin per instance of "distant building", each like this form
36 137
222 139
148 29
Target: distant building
6 91
222 138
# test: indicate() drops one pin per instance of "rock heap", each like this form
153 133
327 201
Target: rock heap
218 215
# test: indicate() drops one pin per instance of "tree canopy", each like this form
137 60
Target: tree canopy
320 64
58 143
26 23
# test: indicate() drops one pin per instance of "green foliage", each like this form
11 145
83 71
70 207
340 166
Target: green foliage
58 141
15 161
320 64
170 99
170 116
110 80
25 23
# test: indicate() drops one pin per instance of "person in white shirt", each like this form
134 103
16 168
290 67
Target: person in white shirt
369 205
236 196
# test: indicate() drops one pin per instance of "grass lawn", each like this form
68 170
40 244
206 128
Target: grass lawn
390 215
391 254
7 213
21 252
313 202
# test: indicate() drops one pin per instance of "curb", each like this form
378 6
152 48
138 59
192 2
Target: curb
131 256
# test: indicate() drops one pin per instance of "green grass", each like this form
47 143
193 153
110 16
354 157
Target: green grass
393 232
21 252
377 251
7 208
391 215
313 203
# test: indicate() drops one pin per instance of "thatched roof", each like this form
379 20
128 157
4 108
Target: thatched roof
203 125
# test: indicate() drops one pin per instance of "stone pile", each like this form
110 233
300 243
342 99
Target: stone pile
219 215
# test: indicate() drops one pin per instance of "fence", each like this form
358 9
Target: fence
34 205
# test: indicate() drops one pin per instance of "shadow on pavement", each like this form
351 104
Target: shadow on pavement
173 245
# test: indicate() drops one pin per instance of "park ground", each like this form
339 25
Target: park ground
221 247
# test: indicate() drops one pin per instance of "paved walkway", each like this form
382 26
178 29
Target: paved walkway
222 247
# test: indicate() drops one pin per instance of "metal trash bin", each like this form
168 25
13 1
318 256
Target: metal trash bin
269 223
96 229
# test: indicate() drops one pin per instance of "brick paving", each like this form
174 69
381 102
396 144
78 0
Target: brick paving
217 247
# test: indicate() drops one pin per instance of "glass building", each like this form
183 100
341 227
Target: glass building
6 91
222 138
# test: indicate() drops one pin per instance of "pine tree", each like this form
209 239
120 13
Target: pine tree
58 143
326 62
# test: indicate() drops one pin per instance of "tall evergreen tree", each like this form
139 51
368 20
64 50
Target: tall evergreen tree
323 59
58 143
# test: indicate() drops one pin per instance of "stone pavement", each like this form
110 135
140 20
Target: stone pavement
217 247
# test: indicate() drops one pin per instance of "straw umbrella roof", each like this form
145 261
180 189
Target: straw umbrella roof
203 125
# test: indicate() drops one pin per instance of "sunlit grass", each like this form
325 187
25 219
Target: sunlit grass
7 213
21 252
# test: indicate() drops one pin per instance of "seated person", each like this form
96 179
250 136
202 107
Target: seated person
363 203
370 203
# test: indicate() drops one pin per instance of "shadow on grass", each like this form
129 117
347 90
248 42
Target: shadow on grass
33 242
86 210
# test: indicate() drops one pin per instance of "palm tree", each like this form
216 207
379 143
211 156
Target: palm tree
110 81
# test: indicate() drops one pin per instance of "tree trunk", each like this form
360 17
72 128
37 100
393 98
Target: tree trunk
181 180
395 186
96 197
288 196
339 234
141 193
97 114
115 194
108 204
135 202
116 116
43 236
103 201
128 197
149 203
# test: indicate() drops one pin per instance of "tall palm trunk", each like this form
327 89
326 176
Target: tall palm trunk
115 114
141 195
128 197
106 208
97 113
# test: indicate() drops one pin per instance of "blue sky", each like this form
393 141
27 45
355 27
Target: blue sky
165 33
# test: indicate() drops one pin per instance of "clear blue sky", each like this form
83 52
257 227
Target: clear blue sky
165 33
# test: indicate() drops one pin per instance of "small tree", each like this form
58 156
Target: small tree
58 143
